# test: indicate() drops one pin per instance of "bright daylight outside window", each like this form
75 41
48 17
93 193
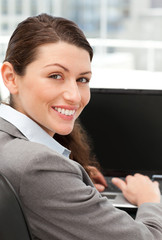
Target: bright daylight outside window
127 45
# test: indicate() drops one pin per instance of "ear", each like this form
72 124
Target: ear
9 77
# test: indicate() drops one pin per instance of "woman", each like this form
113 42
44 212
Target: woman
47 70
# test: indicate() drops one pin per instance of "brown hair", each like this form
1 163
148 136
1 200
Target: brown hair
22 50
80 145
39 30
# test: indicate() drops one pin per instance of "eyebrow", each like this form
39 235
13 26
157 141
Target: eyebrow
65 69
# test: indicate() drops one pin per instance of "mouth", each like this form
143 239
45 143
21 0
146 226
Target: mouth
64 111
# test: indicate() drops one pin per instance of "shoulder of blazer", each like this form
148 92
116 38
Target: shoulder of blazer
10 129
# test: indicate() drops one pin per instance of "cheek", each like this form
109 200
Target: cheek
39 93
85 97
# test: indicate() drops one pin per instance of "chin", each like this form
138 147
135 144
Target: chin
66 131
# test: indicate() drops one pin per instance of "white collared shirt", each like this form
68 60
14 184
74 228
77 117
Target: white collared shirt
30 129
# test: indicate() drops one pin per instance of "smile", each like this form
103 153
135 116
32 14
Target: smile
65 111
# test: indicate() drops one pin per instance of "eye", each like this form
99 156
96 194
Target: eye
83 80
55 76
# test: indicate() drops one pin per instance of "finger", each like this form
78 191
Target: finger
100 178
138 175
128 177
119 183
97 176
156 183
99 187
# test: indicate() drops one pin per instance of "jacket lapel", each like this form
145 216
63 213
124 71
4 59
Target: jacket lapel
9 128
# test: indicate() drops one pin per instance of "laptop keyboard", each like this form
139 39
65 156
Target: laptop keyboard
112 188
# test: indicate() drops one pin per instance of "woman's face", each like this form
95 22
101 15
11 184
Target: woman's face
55 87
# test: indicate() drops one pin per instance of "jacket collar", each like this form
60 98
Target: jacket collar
7 127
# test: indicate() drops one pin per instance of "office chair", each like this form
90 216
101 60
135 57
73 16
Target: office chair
13 223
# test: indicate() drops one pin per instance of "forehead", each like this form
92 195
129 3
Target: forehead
61 49
62 52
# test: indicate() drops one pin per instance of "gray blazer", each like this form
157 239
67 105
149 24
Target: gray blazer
60 200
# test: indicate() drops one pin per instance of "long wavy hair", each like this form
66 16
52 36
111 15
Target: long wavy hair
80 145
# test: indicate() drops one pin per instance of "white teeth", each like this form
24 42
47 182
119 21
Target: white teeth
59 110
65 111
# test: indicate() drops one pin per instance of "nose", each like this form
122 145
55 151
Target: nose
72 93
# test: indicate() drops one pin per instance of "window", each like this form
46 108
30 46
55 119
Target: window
33 7
122 32
4 5
156 3
4 27
18 7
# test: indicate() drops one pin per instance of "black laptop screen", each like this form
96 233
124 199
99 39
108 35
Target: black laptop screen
125 127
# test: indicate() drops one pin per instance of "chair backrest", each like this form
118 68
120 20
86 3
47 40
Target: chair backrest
13 223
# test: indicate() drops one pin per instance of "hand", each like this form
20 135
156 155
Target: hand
97 178
138 189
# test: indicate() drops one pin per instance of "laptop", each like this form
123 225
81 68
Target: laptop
125 128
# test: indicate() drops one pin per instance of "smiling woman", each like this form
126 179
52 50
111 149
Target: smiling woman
47 70
55 111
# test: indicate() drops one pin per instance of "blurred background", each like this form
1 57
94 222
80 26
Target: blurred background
126 36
